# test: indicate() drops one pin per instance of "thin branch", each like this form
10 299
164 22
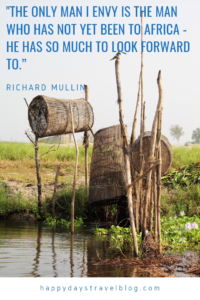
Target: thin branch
31 156
30 138
49 151
26 102
30 108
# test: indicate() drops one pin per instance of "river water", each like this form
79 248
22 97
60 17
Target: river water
33 249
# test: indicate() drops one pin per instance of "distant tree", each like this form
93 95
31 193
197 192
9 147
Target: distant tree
176 131
196 136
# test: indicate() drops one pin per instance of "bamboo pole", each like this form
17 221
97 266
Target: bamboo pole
151 204
133 134
134 173
75 174
144 127
158 157
151 158
141 125
151 161
37 161
142 97
54 192
159 180
155 206
86 142
127 155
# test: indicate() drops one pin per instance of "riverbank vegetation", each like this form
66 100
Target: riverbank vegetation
178 233
181 185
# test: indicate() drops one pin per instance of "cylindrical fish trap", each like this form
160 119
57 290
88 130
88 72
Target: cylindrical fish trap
166 153
107 181
49 116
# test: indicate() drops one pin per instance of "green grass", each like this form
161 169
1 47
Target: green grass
21 151
11 204
185 156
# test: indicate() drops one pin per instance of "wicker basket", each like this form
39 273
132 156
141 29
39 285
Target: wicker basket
107 167
166 152
49 116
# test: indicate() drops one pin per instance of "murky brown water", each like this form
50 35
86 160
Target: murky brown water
33 249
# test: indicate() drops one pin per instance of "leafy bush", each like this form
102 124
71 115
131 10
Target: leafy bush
186 199
180 231
183 176
10 204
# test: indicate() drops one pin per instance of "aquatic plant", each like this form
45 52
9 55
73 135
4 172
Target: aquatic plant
55 221
176 233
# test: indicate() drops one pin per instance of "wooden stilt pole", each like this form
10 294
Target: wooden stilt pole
151 204
133 134
54 192
144 127
86 142
158 157
37 161
141 125
151 158
75 173
155 205
151 161
127 156
134 173
159 181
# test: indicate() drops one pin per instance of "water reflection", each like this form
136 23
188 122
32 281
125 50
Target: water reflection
54 254
71 256
37 250
84 254
37 257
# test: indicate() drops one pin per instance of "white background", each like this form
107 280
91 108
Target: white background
179 70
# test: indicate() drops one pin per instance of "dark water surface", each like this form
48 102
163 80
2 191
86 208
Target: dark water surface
33 249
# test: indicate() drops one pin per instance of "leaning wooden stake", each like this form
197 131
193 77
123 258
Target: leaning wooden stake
54 192
134 173
151 161
86 142
161 95
141 124
151 204
155 204
133 134
127 155
159 179
75 173
142 98
151 158
37 161
144 127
